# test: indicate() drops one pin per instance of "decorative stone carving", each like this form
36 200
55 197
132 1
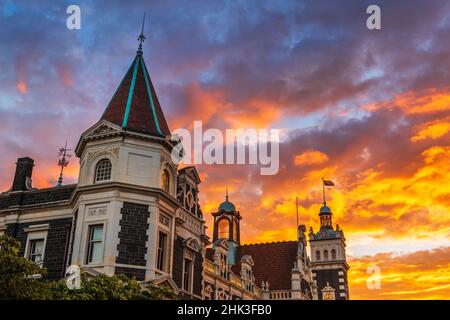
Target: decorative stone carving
95 212
163 219
103 130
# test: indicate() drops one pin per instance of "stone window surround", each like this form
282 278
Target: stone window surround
166 250
162 218
189 254
36 232
87 227
97 163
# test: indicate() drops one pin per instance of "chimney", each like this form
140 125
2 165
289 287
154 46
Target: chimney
22 178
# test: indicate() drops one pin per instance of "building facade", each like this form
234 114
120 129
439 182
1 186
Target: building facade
134 212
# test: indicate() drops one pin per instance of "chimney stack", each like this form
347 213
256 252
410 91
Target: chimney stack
22 178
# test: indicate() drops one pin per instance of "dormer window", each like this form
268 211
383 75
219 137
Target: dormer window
103 171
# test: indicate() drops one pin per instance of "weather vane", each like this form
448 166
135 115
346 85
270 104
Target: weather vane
141 37
63 154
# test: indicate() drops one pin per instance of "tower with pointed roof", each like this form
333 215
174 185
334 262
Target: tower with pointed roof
127 193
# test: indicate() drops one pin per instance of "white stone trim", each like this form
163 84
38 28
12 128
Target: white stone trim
39 233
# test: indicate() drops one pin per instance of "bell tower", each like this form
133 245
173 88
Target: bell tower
227 226
328 260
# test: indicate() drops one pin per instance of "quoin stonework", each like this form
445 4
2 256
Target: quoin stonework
134 212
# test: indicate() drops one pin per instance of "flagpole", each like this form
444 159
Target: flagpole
296 204
323 187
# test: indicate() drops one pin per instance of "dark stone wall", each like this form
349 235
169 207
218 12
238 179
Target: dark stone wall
177 268
36 197
139 274
10 200
133 234
54 247
332 277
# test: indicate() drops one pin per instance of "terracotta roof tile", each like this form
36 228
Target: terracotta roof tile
273 262
144 111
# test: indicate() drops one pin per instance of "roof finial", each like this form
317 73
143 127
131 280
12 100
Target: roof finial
141 37
226 196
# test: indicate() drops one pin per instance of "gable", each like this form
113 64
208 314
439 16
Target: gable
101 129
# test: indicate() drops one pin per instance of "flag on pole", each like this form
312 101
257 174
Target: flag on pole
328 183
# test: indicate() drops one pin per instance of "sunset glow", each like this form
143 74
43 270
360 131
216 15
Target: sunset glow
352 105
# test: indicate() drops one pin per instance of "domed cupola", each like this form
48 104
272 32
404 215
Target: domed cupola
227 206
226 222
325 210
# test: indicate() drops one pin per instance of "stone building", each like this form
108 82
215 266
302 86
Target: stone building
134 212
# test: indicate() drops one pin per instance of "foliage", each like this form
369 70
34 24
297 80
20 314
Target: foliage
17 281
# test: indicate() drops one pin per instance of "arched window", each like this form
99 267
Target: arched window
224 228
235 227
325 255
165 181
103 170
318 255
333 254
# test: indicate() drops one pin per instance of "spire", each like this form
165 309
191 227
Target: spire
135 105
141 37
226 196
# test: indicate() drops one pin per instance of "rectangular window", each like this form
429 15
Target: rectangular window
95 244
162 241
36 251
187 275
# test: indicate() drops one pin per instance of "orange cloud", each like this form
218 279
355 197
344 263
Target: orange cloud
22 87
413 102
432 130
310 157
213 109
423 274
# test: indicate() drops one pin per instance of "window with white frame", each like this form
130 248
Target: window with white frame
161 252
103 170
36 249
95 244
35 246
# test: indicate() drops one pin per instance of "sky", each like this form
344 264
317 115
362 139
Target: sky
367 109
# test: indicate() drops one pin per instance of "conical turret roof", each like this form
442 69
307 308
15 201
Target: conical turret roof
135 105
